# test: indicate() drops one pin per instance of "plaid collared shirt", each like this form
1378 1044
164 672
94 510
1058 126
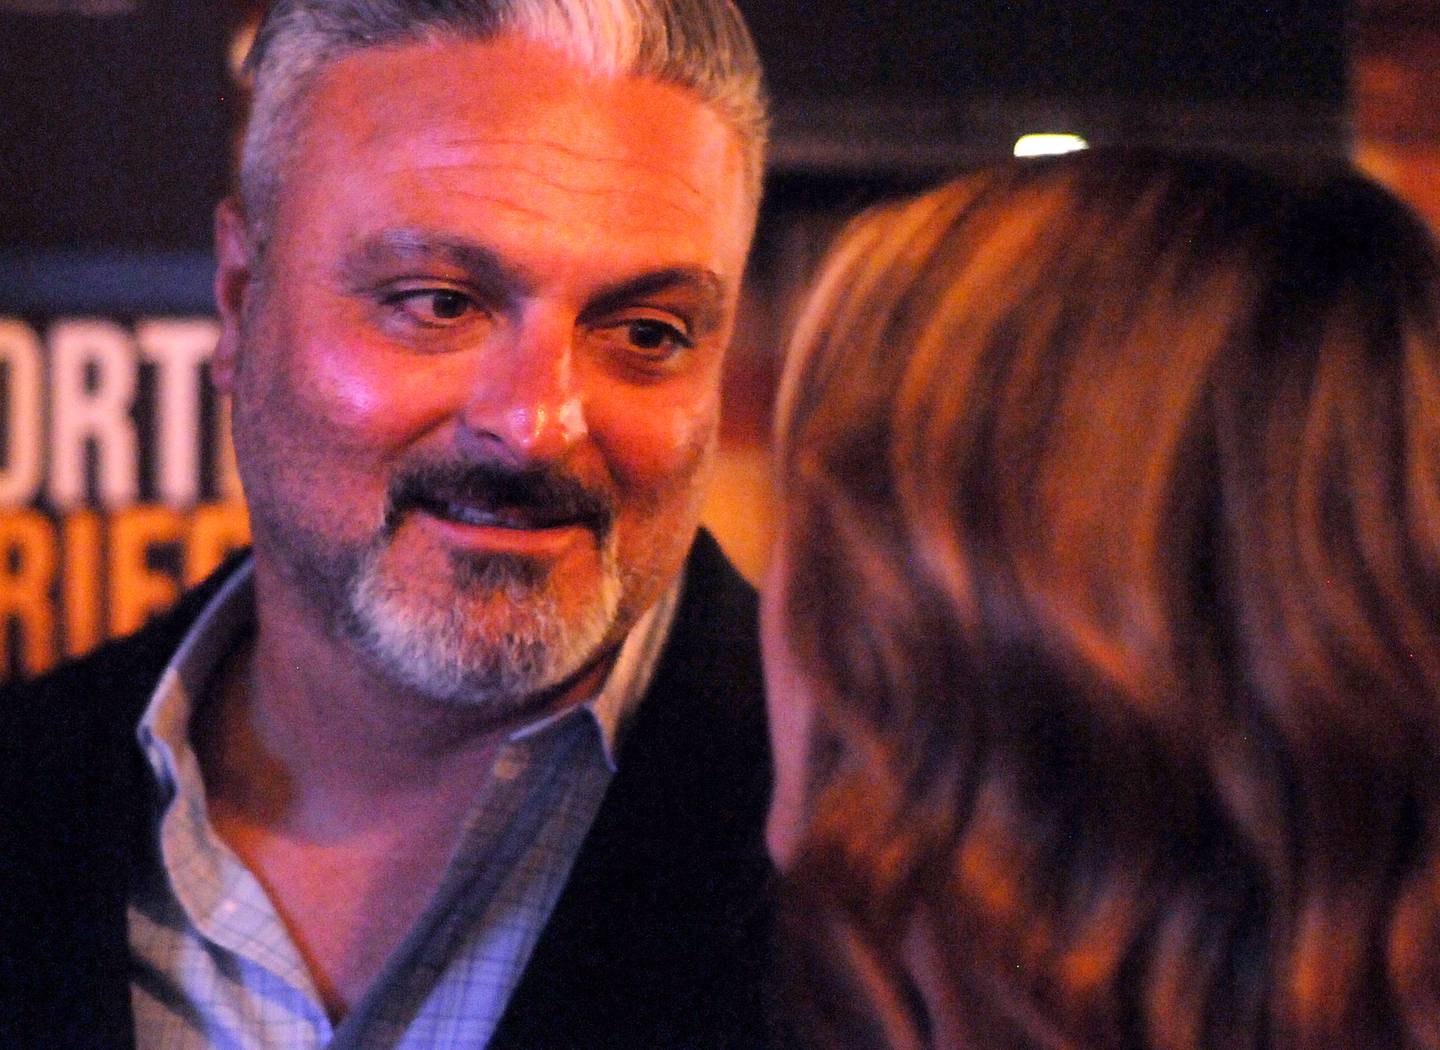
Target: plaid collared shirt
213 964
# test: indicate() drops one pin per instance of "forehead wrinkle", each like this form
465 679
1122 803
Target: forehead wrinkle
508 205
531 146
542 179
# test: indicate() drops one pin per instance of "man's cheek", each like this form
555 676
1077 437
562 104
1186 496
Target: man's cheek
347 391
350 391
661 448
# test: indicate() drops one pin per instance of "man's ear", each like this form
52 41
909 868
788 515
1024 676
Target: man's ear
234 274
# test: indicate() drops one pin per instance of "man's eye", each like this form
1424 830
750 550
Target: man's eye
654 338
433 306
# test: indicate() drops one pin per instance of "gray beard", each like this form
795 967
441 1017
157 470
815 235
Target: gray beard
500 641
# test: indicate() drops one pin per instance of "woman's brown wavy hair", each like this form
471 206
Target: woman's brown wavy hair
1113 561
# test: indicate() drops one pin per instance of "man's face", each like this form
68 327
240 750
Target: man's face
476 375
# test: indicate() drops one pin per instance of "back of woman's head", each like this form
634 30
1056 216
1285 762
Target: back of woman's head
1113 562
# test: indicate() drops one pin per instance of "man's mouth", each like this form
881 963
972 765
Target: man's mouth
498 517
484 497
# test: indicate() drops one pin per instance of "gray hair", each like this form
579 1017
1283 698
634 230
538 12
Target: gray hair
700 45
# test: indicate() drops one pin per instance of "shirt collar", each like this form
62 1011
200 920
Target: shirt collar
164 727
627 681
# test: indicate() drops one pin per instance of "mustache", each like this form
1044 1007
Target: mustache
534 496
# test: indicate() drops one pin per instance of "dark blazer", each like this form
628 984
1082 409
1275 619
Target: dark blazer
658 940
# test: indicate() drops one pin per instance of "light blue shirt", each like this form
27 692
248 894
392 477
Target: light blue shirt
213 964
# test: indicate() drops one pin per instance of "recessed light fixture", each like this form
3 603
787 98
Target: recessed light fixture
1048 144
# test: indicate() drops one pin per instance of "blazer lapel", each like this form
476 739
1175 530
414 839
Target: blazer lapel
659 937
77 788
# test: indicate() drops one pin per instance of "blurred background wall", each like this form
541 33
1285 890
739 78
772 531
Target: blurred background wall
117 120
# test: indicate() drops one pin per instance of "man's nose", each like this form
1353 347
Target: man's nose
525 402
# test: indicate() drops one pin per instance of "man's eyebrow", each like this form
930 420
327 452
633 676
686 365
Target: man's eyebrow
485 268
400 246
705 285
